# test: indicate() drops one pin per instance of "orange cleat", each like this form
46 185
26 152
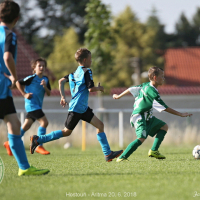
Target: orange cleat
42 150
7 146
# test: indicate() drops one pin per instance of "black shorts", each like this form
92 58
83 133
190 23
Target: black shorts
73 118
36 114
6 107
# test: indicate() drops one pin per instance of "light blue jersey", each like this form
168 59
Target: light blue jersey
32 85
80 81
8 43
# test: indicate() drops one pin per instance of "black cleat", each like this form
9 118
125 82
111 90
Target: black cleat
112 155
34 143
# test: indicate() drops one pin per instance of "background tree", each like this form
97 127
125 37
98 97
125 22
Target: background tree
185 32
133 39
41 20
196 27
160 37
61 61
97 37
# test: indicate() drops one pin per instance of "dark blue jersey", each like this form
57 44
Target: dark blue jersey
8 43
80 81
32 85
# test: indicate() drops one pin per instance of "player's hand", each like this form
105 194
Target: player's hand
43 83
28 95
63 102
115 96
186 114
101 88
12 79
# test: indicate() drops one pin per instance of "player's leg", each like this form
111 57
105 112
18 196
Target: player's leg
159 128
159 137
139 122
101 136
15 142
42 131
27 124
17 147
71 121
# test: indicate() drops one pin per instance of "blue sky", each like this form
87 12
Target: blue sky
168 10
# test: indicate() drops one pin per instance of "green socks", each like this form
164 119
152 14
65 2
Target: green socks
130 148
158 139
136 143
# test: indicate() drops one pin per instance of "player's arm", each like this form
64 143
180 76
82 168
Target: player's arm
20 87
10 64
47 90
8 57
159 105
96 89
174 112
61 83
118 96
46 87
134 90
90 83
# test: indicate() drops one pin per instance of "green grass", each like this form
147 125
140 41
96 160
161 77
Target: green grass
87 173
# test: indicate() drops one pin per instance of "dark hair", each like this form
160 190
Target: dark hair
9 10
81 54
34 63
154 71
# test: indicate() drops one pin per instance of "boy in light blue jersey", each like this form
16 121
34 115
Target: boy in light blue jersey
147 97
81 83
9 15
33 88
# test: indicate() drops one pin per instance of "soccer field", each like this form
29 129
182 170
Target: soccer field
85 175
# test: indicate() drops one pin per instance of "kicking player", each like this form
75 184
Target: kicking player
81 83
147 97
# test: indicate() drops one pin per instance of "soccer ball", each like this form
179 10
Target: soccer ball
196 152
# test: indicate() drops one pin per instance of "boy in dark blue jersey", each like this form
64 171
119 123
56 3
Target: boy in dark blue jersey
9 15
33 88
81 83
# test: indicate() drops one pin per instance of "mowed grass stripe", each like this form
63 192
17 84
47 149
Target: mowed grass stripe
85 175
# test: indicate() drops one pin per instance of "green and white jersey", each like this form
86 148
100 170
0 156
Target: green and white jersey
146 98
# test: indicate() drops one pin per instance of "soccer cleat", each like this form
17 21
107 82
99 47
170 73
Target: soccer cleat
7 146
32 171
121 159
34 143
112 155
155 154
42 150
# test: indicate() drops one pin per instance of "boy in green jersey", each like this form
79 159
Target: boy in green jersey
146 98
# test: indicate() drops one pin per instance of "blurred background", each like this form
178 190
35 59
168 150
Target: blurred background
126 38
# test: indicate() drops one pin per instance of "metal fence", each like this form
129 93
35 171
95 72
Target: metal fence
120 113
